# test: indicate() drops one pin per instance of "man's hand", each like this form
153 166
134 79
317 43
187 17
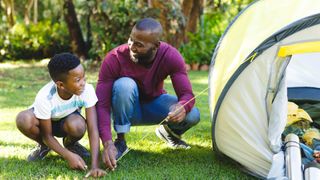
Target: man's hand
95 172
75 161
177 113
109 154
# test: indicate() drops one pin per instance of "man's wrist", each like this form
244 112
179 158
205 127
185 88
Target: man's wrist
107 143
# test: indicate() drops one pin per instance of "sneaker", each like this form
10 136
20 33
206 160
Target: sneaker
121 146
77 148
172 139
38 153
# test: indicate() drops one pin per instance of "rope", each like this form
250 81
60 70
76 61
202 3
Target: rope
165 120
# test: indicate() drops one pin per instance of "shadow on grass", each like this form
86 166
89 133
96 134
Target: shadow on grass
51 166
15 144
197 162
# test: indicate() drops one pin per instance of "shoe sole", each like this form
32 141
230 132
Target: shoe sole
163 138
124 153
44 152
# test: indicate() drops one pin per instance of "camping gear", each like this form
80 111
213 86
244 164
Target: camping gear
309 135
293 157
270 52
312 171
296 114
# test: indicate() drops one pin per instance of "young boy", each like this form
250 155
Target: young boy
55 112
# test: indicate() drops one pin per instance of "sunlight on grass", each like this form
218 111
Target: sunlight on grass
203 81
149 157
8 114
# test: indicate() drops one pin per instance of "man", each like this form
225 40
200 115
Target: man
130 85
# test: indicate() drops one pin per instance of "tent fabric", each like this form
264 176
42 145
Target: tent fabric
264 18
287 31
299 48
303 69
248 81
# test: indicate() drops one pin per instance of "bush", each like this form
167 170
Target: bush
214 21
112 22
34 41
201 44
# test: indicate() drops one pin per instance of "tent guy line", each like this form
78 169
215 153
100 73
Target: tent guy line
165 120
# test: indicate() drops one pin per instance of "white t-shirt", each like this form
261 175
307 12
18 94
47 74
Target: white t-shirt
49 105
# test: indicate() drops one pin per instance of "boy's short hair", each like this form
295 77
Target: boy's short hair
60 64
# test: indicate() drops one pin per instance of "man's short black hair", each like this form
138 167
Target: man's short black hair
148 24
60 64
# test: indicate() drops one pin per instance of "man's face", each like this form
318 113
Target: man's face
142 45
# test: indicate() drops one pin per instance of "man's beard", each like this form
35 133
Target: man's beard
143 59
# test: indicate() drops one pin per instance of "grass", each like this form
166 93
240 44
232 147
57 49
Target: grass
149 158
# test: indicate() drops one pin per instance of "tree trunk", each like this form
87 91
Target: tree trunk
35 11
192 10
173 24
184 19
89 31
9 7
77 43
27 12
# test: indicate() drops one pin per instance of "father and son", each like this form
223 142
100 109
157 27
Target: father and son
129 89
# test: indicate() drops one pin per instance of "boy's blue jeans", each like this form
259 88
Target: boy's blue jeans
127 109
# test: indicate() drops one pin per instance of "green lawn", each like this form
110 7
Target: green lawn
149 158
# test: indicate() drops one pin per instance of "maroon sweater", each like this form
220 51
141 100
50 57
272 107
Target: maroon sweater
117 64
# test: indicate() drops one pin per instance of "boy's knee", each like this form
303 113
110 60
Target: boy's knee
25 120
193 117
76 127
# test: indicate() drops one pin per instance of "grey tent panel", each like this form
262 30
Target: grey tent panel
303 94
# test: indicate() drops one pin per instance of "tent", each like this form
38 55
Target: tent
270 51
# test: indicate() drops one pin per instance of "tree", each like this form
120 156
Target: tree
192 10
9 11
178 18
35 11
27 9
78 45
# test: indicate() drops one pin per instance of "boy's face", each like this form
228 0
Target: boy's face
74 82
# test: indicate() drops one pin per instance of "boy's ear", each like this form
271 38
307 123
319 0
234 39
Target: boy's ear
60 84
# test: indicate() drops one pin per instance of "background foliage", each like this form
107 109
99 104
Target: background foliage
37 29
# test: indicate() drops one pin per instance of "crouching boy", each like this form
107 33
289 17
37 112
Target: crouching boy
55 112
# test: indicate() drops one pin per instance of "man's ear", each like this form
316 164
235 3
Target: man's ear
157 45
59 84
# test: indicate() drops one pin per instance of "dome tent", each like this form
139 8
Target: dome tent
256 61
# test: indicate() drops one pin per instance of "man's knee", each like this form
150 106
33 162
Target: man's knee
75 126
124 87
25 120
193 117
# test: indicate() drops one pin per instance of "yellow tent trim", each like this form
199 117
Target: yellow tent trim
300 48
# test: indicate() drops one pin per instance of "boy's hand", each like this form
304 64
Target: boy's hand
76 162
96 172
177 113
109 154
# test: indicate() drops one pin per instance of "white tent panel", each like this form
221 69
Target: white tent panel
252 115
304 70
253 26
241 130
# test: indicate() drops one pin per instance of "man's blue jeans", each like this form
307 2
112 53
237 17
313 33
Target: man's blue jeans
127 109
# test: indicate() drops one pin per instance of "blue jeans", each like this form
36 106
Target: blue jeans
127 109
